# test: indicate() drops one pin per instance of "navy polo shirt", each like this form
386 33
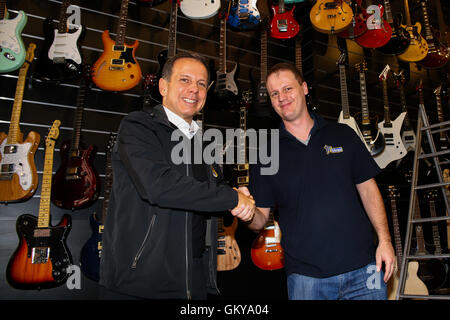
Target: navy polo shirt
325 230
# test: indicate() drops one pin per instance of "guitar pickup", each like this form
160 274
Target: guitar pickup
242 181
242 167
7 168
72 177
40 255
331 5
282 25
119 48
10 149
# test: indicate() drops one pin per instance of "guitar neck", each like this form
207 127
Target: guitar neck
419 232
3 9
78 119
223 46
14 129
298 54
388 12
107 185
426 22
120 37
435 228
344 93
44 206
172 48
62 25
397 238
408 17
440 114
440 15
281 7
364 103
387 115
263 54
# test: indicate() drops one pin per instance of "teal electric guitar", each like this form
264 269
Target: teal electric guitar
12 49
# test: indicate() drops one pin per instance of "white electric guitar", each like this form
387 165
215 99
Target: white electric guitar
199 9
344 116
394 147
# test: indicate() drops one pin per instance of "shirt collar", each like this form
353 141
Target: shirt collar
188 130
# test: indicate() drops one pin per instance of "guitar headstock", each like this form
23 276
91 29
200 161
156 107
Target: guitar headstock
385 73
392 192
246 99
53 134
111 141
419 86
431 195
149 82
361 67
30 52
342 58
399 78
437 91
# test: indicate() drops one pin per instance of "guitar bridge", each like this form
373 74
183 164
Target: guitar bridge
40 255
59 60
282 25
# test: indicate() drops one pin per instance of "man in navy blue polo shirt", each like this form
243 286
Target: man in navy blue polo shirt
328 201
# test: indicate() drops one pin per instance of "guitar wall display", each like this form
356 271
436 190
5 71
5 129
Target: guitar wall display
394 147
244 15
60 57
12 48
92 249
418 47
400 38
413 284
199 9
18 175
438 54
42 257
76 182
117 68
331 16
372 136
283 24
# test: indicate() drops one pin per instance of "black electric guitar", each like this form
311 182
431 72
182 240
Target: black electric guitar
60 57
92 249
372 135
400 37
42 257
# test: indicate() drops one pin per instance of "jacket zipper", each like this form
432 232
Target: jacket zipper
141 248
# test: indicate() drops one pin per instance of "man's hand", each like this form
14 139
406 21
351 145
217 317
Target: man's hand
245 210
385 253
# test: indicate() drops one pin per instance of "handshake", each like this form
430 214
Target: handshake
245 209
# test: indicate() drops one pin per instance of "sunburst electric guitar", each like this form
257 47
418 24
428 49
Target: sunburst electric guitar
12 49
117 68
18 175
42 257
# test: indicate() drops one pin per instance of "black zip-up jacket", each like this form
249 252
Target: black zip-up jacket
147 238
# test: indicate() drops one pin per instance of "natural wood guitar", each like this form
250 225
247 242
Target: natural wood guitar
331 16
18 175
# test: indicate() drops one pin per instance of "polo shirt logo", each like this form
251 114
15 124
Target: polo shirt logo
214 172
330 149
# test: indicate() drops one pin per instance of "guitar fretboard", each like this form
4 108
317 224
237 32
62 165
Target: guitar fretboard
408 17
426 22
440 112
121 27
388 12
435 228
419 231
406 122
172 48
387 115
298 54
3 9
78 119
223 46
62 25
107 184
396 225
263 54
344 94
364 102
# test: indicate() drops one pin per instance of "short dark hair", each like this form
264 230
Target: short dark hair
168 66
289 67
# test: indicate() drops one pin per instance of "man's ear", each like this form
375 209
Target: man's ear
162 87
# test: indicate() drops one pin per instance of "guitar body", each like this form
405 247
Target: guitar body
398 43
351 122
330 16
228 253
283 25
437 57
63 63
76 181
394 147
225 82
50 254
199 9
409 140
91 251
413 285
19 180
375 38
266 252
376 145
116 70
244 15
12 48
418 47
433 273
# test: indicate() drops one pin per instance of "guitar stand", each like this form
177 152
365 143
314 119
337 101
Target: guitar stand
414 215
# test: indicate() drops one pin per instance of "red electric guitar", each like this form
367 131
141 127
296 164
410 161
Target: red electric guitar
283 24
379 31
358 25
76 181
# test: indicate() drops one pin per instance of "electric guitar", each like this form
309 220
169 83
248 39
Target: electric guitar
344 116
400 38
438 54
228 253
92 249
444 31
199 9
76 182
12 49
446 176
418 47
42 257
283 24
244 15
443 139
372 136
358 26
171 47
394 147
408 135
331 16
225 80
379 31
60 57
413 285
266 251
18 175
117 68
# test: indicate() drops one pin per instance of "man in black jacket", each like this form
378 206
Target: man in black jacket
159 240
